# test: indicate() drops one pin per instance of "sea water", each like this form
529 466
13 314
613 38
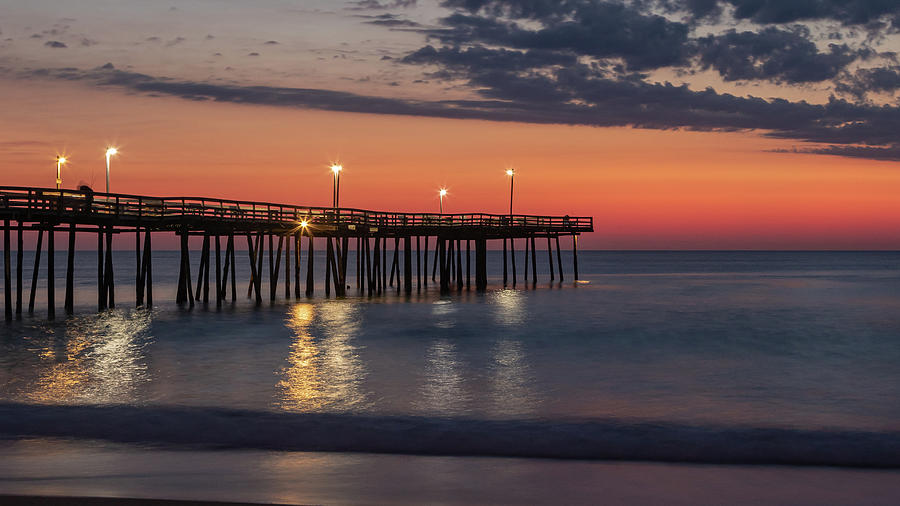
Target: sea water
702 357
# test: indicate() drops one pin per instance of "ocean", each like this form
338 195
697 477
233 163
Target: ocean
698 360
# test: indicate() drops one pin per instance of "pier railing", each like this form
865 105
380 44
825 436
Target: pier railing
130 209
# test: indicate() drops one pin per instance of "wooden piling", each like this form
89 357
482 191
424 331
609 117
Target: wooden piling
20 251
368 262
459 276
297 250
437 247
394 265
138 289
310 255
206 254
287 267
533 262
233 267
275 270
359 281
442 256
204 261
254 270
7 272
70 272
51 276
407 264
512 257
376 268
504 263
345 248
480 265
218 272
329 253
37 265
559 260
424 268
188 295
384 265
224 288
550 258
575 255
147 271
525 270
468 264
101 283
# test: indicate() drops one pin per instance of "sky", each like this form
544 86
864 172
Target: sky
676 124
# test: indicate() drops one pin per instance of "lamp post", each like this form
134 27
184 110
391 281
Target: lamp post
59 161
442 193
109 152
336 189
512 177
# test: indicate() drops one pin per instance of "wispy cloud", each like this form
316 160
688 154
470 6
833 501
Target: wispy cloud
573 96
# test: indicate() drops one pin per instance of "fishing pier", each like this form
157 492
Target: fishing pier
283 231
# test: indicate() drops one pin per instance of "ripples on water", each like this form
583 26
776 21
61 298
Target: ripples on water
771 340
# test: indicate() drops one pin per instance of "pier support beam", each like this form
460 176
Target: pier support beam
550 258
533 263
20 250
407 264
459 276
51 276
145 277
559 260
185 291
7 273
218 272
505 274
297 252
481 265
274 267
442 256
512 256
101 286
37 265
310 255
287 266
424 268
575 255
468 264
70 272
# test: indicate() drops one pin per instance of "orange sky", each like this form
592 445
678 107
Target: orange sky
644 188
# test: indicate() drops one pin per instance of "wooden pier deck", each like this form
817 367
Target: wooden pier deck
40 210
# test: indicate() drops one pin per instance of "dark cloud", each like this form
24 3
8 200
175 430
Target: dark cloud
378 5
598 29
175 41
890 154
849 12
773 54
271 43
55 44
576 95
391 20
872 80
479 59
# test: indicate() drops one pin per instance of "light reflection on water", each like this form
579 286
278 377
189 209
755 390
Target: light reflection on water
102 361
674 336
323 373
442 389
509 307
512 391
